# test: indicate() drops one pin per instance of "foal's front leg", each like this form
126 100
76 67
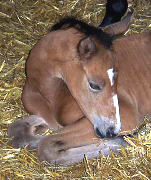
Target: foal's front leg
23 131
75 155
56 146
69 145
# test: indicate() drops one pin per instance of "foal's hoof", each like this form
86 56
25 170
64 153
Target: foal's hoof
52 151
27 126
23 131
18 129
17 142
29 140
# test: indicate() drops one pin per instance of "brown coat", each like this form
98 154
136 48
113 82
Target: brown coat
57 94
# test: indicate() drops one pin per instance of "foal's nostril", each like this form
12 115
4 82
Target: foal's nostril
98 133
110 133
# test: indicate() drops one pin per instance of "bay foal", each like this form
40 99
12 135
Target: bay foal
77 79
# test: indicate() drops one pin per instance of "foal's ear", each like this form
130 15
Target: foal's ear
86 48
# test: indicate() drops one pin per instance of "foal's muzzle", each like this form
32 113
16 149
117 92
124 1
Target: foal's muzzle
106 127
109 134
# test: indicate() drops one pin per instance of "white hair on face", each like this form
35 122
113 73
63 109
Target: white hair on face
111 75
115 102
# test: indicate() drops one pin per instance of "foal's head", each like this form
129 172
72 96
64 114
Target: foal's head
98 87
89 70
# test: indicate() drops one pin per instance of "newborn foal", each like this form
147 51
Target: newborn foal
71 87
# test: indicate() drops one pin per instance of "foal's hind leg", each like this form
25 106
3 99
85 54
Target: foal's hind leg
35 103
23 131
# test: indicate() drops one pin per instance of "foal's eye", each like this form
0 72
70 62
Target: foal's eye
94 87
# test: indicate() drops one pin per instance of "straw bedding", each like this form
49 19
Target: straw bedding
22 24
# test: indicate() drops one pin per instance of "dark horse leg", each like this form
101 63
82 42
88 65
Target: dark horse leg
115 9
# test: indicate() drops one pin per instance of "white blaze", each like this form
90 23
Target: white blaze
111 76
115 102
110 73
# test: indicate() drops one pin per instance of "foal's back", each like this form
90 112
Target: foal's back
134 80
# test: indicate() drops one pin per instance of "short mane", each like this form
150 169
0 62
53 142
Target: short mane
88 30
